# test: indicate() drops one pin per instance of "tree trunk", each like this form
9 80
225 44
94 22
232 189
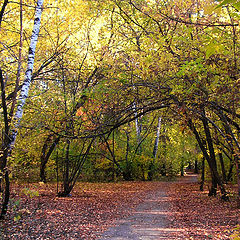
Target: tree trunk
10 139
155 150
4 179
5 3
196 167
46 155
69 181
28 75
66 183
182 167
222 167
43 158
127 172
233 144
138 129
220 156
212 165
14 96
5 193
213 189
230 172
112 152
229 175
203 174
238 177
215 176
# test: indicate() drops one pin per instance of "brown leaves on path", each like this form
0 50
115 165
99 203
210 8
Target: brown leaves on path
94 207
200 216
91 209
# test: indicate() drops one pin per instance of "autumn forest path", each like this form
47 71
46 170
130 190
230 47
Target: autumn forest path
150 219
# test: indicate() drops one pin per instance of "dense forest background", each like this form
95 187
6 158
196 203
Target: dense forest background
120 90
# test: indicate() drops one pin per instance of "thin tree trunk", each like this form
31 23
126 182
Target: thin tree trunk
46 155
220 156
196 166
57 170
238 177
43 159
202 174
10 139
216 178
76 173
234 145
28 75
230 172
66 187
229 175
222 167
138 128
112 154
14 98
6 138
182 167
213 170
155 150
5 191
5 3
113 150
127 172
4 179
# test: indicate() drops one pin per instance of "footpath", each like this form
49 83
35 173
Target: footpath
149 221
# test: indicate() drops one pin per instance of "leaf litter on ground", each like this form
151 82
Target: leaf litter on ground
94 207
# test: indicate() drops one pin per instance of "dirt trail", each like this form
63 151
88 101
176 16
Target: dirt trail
149 220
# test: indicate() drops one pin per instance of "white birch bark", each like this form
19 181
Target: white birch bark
138 128
155 148
28 74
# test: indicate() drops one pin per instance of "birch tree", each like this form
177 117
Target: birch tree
11 134
155 148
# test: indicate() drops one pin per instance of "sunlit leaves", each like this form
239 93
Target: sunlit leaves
235 3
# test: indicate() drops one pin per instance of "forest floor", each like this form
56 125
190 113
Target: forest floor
176 210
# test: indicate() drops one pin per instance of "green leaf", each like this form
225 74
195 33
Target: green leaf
16 218
237 5
210 51
225 2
